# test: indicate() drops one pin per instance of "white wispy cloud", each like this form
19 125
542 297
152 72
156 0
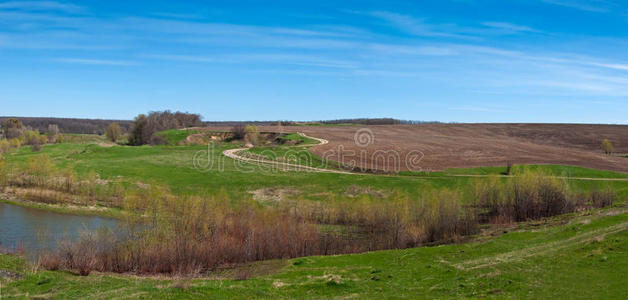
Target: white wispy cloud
448 53
276 58
415 26
622 67
429 50
41 6
509 27
599 6
89 61
425 28
204 28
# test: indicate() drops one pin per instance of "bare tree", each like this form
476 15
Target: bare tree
53 132
238 131
12 128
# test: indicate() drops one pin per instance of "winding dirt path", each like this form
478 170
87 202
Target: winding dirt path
233 153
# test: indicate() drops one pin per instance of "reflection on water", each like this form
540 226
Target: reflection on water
35 229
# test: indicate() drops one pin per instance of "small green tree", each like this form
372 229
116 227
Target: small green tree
607 146
113 132
31 137
40 167
252 135
15 143
69 177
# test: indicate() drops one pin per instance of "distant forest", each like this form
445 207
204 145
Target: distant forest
98 126
374 121
357 121
68 125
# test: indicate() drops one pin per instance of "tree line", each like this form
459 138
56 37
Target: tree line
70 125
14 134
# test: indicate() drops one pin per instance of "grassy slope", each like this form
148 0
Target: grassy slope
175 136
584 258
538 262
173 166
301 140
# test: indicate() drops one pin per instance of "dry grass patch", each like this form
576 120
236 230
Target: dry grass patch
274 194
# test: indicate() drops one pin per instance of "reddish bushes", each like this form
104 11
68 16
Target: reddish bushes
191 235
187 235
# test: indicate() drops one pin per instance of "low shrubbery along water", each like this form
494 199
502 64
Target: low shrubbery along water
173 234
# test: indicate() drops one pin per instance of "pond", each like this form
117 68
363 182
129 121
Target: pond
35 229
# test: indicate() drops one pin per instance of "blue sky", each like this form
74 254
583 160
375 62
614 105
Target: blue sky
446 60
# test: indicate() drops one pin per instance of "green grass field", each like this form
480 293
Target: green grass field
174 167
582 256
174 137
573 256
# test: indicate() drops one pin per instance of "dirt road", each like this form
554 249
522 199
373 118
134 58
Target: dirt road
233 153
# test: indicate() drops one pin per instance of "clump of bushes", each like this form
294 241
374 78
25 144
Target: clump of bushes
599 198
238 131
398 221
113 132
145 127
15 135
4 146
41 181
12 128
15 143
248 133
530 195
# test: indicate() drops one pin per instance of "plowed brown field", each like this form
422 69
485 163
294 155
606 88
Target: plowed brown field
442 146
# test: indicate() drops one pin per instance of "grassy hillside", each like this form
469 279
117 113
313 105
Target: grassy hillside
174 136
573 256
570 257
173 166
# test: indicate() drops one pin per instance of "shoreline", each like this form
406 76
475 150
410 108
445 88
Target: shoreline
103 212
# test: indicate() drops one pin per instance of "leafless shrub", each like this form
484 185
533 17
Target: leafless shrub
190 235
50 262
238 131
602 197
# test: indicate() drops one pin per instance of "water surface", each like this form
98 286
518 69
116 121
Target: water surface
35 229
